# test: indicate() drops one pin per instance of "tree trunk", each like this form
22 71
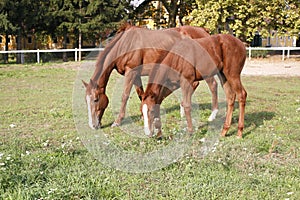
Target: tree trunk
172 9
19 47
65 56
6 48
172 20
79 45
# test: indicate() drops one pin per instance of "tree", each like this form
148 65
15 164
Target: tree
103 15
245 18
20 17
175 9
6 26
86 18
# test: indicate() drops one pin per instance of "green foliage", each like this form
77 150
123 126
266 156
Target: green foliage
259 53
59 18
174 9
98 16
245 18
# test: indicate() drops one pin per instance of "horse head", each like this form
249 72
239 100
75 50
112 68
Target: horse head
96 101
151 115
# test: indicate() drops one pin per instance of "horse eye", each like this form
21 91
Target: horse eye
96 100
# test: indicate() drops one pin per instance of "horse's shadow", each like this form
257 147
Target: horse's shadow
253 120
135 118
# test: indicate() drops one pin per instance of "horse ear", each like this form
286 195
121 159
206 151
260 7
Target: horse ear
84 83
93 84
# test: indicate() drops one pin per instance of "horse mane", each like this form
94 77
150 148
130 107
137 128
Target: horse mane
103 55
119 33
125 26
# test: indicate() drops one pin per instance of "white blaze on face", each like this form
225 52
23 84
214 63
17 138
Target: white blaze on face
88 102
146 122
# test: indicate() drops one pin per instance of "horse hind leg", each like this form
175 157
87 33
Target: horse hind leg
238 90
230 98
241 96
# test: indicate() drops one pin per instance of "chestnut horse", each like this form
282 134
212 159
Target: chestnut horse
133 47
190 61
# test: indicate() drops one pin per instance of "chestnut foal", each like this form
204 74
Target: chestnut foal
188 62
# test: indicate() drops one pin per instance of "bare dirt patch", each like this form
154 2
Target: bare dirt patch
272 66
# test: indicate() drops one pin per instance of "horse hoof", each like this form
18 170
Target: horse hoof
239 137
159 138
115 124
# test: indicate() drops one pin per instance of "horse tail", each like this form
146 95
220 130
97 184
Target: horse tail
233 51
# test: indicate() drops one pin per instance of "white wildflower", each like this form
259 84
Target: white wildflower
202 140
12 125
46 143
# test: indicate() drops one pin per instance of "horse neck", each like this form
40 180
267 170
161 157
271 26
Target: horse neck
155 83
104 69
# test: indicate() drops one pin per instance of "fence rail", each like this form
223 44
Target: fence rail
283 49
76 51
38 51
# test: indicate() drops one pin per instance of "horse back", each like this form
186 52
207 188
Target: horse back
192 31
225 50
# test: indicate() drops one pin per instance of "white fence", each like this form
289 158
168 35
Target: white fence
38 51
283 49
76 51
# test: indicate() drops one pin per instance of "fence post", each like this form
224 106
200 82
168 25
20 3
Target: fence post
38 56
283 54
75 54
288 53
249 52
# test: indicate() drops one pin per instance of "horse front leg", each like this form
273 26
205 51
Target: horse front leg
187 91
139 89
129 80
213 87
139 86
157 122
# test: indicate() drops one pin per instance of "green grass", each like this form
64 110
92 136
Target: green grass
42 155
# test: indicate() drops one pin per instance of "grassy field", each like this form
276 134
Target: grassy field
42 155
